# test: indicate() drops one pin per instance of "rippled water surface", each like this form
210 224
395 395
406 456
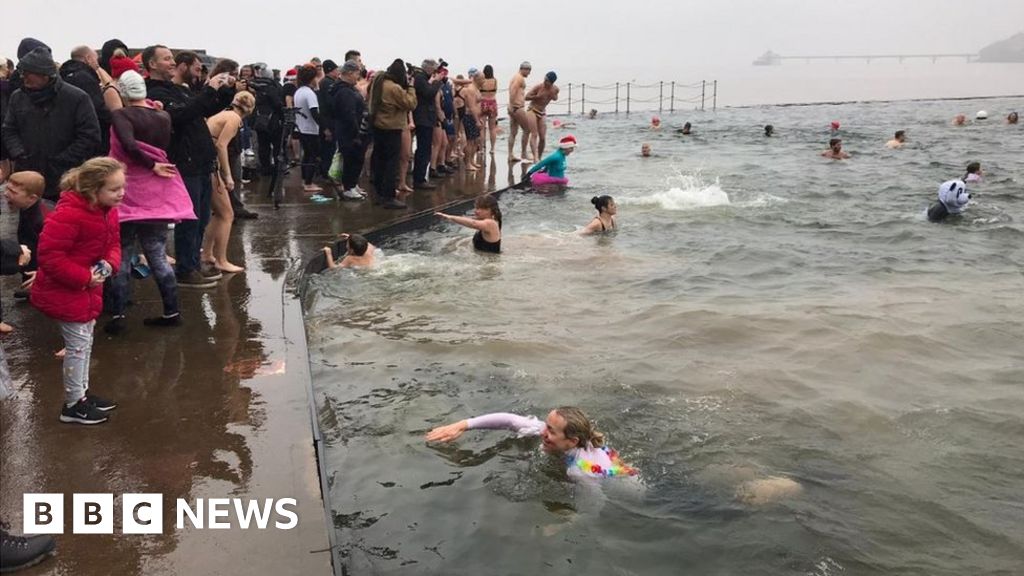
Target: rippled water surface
761 313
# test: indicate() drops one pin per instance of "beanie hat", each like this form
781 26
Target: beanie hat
329 66
120 65
551 77
132 86
38 61
567 142
29 44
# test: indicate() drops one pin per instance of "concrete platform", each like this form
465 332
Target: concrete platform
217 408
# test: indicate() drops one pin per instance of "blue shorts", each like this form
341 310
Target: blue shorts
469 125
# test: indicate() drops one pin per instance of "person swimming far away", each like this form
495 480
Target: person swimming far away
898 140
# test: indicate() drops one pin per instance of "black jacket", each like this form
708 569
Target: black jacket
191 148
269 113
325 98
425 113
349 107
80 75
53 136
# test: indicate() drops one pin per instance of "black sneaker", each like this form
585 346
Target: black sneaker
193 279
424 186
394 204
244 214
18 552
21 295
116 326
82 412
163 320
210 273
99 403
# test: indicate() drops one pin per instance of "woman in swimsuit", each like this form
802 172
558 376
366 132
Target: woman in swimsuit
567 433
489 104
605 219
487 223
223 127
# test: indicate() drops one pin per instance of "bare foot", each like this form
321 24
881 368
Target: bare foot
6 328
60 353
172 260
228 267
312 188
406 189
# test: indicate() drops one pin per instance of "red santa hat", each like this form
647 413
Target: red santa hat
567 142
120 65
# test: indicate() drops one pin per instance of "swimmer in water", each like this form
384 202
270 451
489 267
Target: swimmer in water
605 219
655 123
359 253
645 150
551 170
835 150
593 113
567 433
486 222
973 173
769 131
898 140
1012 118
685 130
953 199
959 120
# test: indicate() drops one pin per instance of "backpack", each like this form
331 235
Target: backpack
265 117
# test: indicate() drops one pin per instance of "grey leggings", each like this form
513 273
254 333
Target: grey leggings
78 349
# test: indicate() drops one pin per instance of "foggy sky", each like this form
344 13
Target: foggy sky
656 39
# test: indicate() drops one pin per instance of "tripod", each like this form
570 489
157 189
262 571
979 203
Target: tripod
281 168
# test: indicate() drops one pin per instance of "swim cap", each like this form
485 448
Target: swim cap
551 77
525 66
835 124
655 120
982 115
473 72
567 142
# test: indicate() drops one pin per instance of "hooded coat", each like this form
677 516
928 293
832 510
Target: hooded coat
81 76
77 235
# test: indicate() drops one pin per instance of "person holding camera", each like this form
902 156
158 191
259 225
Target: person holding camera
427 82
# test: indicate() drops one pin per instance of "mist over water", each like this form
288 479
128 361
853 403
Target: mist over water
762 312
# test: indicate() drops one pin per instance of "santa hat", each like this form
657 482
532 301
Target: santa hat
121 65
567 142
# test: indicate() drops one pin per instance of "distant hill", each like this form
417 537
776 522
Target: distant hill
1009 50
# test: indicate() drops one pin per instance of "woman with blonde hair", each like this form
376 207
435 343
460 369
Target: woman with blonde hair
567 433
224 126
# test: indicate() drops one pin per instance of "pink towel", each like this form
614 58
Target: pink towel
146 195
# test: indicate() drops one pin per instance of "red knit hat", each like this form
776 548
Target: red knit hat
121 65
567 142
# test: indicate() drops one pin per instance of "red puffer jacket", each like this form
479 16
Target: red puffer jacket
76 236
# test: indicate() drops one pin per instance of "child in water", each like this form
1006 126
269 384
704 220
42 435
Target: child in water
567 433
973 173
551 170
79 248
359 253
605 219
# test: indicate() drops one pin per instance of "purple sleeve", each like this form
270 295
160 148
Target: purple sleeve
125 130
525 426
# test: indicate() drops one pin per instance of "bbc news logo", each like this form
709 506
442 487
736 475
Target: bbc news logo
144 514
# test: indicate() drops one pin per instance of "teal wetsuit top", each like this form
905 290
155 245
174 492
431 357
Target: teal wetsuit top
553 165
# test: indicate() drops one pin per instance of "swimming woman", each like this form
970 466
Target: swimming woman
973 173
566 433
605 219
487 223
551 170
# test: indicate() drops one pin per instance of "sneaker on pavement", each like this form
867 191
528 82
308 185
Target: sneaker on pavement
193 279
424 186
20 552
99 403
394 204
210 273
82 412
352 194
163 321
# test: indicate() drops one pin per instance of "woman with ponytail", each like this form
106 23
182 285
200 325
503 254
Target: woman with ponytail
80 247
567 433
605 219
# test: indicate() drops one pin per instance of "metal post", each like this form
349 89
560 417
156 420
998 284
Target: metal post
583 100
672 103
714 101
702 86
627 97
616 97
661 95
570 98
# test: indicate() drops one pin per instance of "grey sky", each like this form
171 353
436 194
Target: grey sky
659 38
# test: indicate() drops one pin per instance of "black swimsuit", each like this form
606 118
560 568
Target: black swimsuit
481 244
603 229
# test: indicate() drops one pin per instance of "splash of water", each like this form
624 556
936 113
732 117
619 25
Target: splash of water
689 192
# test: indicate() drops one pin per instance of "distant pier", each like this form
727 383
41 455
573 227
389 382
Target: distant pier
770 58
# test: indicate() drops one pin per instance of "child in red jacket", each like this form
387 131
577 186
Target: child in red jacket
79 248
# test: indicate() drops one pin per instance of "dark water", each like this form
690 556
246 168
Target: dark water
762 313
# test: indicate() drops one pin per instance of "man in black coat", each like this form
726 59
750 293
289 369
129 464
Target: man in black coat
268 118
191 149
80 72
349 130
427 83
50 126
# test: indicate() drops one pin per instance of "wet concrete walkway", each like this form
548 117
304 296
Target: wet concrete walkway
217 408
